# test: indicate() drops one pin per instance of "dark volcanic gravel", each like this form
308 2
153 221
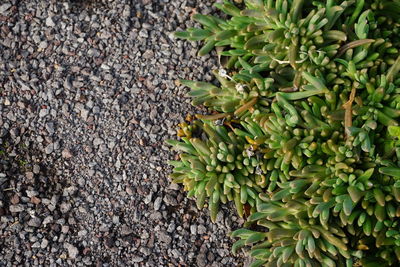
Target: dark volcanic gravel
88 95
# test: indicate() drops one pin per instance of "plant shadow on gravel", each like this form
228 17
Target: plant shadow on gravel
80 5
25 167
30 195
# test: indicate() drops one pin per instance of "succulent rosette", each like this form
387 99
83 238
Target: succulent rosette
303 131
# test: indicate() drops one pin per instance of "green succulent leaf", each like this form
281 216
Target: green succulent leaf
302 130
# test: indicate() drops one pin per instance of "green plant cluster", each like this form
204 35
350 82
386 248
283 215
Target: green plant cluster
303 132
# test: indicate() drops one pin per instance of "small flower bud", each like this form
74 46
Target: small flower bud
240 88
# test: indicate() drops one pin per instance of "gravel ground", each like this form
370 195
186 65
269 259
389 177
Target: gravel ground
88 94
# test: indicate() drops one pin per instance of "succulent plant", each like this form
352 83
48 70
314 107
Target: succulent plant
304 130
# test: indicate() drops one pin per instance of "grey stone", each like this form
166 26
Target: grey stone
44 243
50 127
137 259
170 200
43 45
50 22
65 207
66 153
72 250
148 198
43 113
157 203
47 220
82 233
97 141
49 148
65 229
11 116
125 230
4 8
193 229
143 33
164 237
16 208
31 193
35 222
